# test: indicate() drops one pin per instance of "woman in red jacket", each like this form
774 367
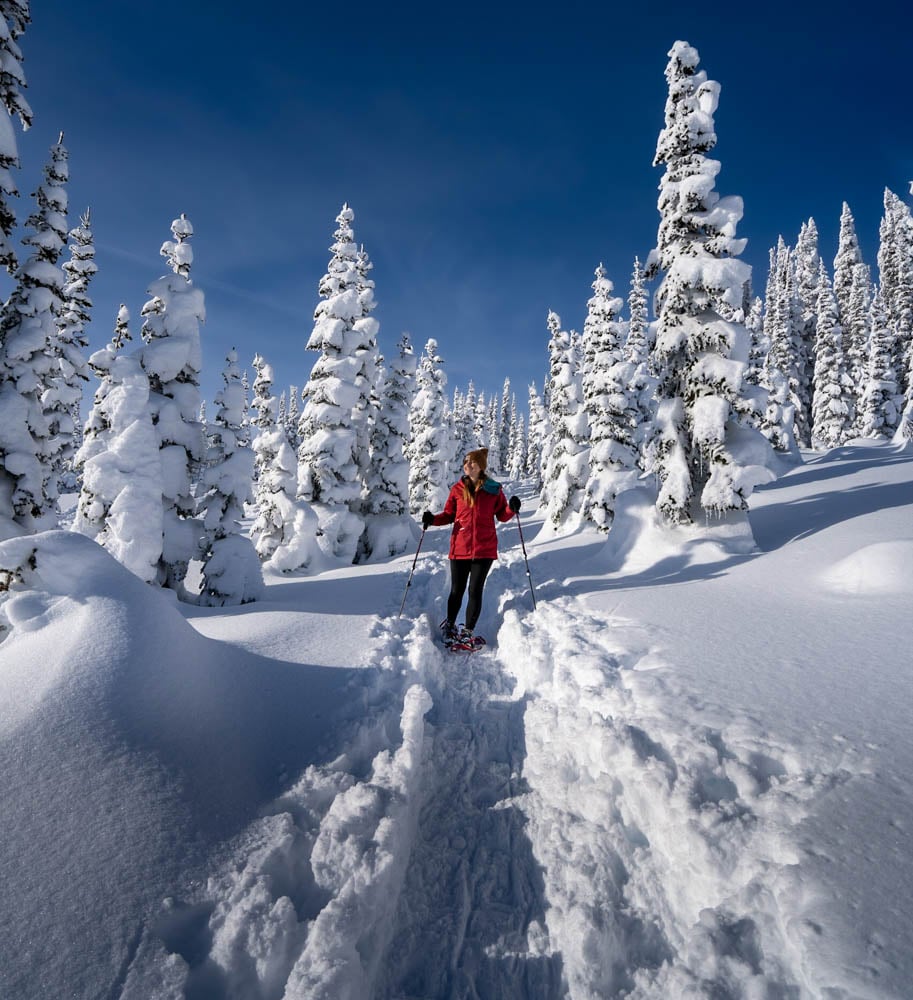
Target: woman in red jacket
472 506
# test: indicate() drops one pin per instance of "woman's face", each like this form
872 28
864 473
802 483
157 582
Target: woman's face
472 468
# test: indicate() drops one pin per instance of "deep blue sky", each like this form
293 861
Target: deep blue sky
493 154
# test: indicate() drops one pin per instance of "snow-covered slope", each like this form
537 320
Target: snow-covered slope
687 773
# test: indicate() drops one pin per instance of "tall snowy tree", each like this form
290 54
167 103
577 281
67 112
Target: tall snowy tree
639 346
68 373
567 461
429 435
28 334
895 266
780 370
806 259
284 533
231 569
848 256
609 408
171 357
537 435
120 502
516 463
329 470
389 528
878 401
495 458
832 402
14 17
504 424
856 340
701 359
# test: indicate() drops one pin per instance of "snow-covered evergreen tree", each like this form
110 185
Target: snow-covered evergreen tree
806 260
171 359
567 461
504 424
832 401
780 370
329 470
14 17
120 501
291 420
609 409
285 531
848 256
429 435
389 527
516 463
231 569
28 334
62 397
895 265
878 403
856 340
639 346
701 359
367 356
495 457
536 437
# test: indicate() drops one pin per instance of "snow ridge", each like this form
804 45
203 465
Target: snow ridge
662 828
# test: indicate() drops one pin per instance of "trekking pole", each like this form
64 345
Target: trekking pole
409 581
523 545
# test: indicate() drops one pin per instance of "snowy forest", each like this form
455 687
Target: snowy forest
698 398
233 768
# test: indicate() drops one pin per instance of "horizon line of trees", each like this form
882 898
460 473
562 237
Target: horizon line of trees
696 400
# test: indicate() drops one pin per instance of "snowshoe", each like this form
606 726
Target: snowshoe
449 633
466 642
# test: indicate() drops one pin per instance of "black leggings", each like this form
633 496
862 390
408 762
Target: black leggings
474 571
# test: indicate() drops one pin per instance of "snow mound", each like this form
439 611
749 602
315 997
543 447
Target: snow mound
881 568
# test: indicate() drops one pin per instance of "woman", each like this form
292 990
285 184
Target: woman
472 506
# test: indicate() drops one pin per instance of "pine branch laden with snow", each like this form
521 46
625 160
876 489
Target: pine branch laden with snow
389 527
429 435
335 423
567 463
28 336
704 459
14 17
610 409
231 569
171 359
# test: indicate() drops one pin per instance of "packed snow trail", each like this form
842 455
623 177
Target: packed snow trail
549 817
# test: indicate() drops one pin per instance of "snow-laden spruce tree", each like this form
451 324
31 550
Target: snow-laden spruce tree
567 464
878 402
845 262
806 259
28 333
702 451
291 419
120 503
539 432
639 344
832 400
63 394
516 462
856 340
171 358
14 17
429 435
785 359
285 531
779 372
333 421
231 569
495 458
609 408
504 423
895 266
480 423
389 527
368 357
462 415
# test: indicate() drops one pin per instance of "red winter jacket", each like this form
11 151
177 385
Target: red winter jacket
474 535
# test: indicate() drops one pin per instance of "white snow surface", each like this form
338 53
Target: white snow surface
686 773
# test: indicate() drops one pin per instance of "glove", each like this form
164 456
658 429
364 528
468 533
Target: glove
427 519
514 503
